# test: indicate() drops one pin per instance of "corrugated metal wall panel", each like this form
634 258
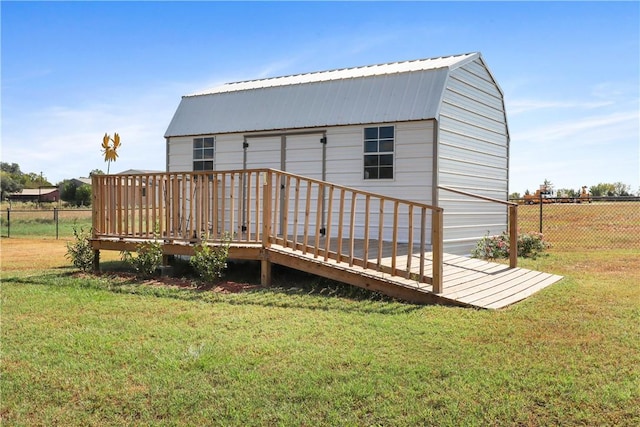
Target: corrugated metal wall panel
470 104
180 154
228 152
466 129
473 157
493 100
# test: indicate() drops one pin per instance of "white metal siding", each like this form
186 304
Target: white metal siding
180 151
344 166
472 156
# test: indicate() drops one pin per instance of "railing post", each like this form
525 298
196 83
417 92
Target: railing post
437 249
265 264
513 236
8 222
96 191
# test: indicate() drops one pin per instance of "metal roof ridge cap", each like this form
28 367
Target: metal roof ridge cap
219 89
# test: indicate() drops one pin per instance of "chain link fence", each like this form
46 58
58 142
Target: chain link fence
47 223
599 223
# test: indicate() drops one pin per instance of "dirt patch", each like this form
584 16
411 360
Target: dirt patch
225 286
22 254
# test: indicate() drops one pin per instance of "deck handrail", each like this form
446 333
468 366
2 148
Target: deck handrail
512 220
265 206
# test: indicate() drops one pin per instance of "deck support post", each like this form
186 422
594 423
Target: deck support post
265 272
437 249
513 236
265 263
96 260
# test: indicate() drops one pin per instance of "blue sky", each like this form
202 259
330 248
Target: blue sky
72 71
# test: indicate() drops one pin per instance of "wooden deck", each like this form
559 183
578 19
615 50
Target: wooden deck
368 240
467 282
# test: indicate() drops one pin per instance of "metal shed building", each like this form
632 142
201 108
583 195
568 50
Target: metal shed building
411 130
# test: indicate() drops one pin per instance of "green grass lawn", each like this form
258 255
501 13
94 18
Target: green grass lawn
86 350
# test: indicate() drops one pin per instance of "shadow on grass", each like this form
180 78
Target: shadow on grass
240 286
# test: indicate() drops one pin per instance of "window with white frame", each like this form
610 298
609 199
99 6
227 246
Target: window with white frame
203 154
378 152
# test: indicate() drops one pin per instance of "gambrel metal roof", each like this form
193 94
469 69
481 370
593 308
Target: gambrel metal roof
400 91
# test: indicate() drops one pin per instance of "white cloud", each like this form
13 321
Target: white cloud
63 141
520 106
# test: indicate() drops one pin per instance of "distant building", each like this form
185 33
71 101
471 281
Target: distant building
48 194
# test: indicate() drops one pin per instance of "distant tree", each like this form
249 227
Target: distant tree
8 184
621 189
13 179
96 172
11 169
548 185
83 195
567 192
527 192
602 189
515 195
68 191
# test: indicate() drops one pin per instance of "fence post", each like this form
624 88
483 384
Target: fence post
8 222
541 213
55 218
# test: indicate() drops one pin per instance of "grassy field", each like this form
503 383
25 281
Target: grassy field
32 222
585 227
111 350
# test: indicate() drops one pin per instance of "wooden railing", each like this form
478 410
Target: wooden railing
512 222
269 207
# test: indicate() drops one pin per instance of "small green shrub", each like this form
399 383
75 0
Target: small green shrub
209 262
530 245
80 251
148 257
492 247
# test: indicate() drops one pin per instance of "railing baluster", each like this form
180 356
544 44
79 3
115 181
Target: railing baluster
285 211
410 240
380 232
275 229
365 249
327 226
247 218
295 213
257 213
423 240
318 219
352 222
306 218
232 218
340 226
215 226
394 239
223 210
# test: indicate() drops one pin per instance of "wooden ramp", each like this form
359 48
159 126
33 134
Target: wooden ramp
482 284
467 282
